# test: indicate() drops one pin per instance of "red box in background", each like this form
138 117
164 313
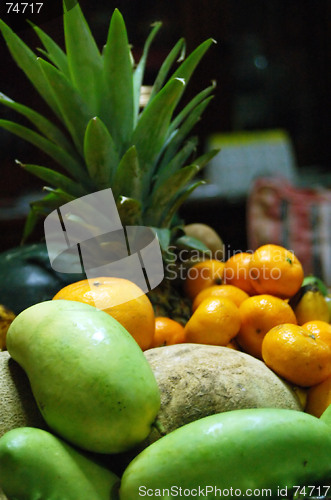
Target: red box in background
296 218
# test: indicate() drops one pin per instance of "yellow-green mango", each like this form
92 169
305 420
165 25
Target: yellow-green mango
89 377
36 464
240 453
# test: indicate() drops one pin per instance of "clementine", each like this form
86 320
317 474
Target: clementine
237 295
275 270
258 315
216 321
120 298
320 329
236 272
167 332
202 275
319 398
297 355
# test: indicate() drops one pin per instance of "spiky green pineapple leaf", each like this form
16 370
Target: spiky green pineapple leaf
41 208
186 69
128 177
48 129
100 153
27 62
74 110
51 201
58 194
56 179
53 52
166 192
204 159
118 99
129 211
164 237
140 69
44 53
181 117
177 53
172 210
31 221
152 128
178 136
84 58
70 164
176 163
188 66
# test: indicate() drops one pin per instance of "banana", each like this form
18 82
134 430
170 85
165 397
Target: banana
6 318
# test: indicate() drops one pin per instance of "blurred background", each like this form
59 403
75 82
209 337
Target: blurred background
271 68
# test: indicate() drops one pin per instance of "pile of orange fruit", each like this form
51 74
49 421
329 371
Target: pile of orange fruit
241 303
250 311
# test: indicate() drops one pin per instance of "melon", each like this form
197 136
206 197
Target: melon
199 380
17 404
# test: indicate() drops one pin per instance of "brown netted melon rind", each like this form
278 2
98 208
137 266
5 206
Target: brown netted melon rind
17 404
198 380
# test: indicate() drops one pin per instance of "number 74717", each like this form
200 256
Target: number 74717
24 7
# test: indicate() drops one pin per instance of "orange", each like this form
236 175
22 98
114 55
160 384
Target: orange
319 398
120 298
296 355
237 295
319 329
258 315
275 270
236 272
167 332
216 321
202 275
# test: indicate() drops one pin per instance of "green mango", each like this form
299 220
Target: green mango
36 464
88 375
240 453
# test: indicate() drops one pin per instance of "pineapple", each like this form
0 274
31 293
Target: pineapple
101 136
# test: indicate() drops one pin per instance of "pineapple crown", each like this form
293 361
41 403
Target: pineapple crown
101 137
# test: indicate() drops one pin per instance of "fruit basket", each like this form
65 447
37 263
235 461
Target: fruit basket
218 379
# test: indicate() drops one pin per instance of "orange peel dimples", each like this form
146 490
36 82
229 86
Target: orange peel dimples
297 355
